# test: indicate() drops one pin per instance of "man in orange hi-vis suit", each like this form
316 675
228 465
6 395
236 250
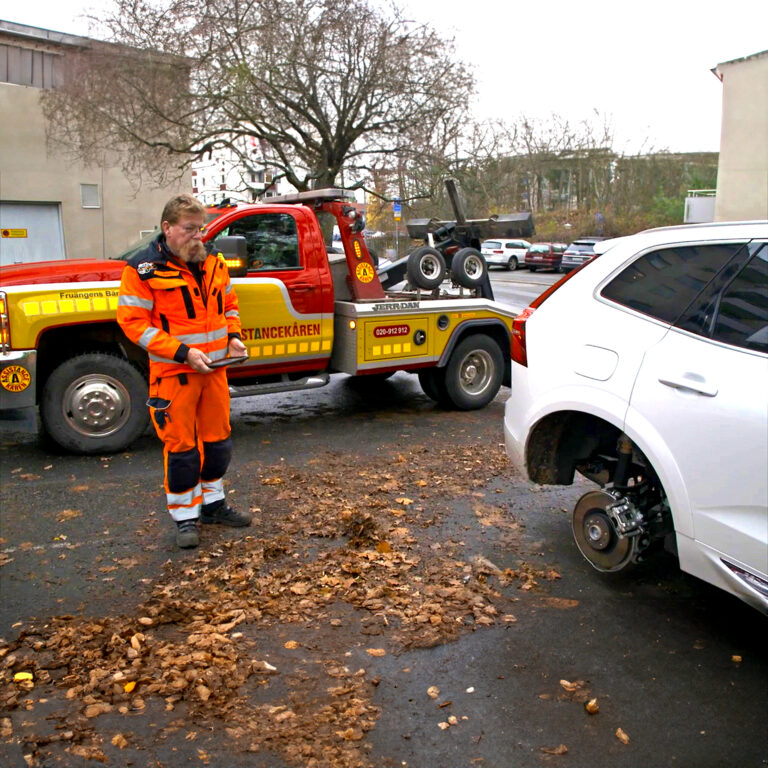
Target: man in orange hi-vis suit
177 302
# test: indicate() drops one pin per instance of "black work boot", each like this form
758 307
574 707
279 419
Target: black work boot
220 512
187 536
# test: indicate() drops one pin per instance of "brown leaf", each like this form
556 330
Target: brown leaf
118 740
559 750
621 736
376 652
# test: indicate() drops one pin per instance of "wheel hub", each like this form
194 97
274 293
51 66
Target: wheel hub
96 405
476 372
596 535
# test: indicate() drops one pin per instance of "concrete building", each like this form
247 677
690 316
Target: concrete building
742 176
51 208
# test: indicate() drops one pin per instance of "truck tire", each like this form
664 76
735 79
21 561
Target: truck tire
474 372
425 268
468 267
94 403
432 381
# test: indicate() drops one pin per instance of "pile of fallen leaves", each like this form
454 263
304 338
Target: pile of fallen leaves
339 549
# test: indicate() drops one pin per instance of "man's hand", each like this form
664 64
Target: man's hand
198 360
236 348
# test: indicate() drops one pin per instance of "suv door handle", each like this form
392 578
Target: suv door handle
693 382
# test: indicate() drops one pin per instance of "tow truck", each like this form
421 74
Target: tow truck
306 314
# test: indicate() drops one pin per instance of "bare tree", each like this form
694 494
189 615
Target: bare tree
308 87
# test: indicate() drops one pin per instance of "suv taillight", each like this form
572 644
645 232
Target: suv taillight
519 351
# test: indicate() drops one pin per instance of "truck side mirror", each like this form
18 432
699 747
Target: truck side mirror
234 249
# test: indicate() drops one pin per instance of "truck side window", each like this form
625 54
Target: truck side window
271 238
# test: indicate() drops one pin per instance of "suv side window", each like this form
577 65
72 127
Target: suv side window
742 312
271 238
664 282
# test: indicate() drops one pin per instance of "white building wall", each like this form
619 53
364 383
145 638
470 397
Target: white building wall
742 178
32 172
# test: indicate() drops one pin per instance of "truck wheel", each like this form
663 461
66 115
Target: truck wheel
94 403
474 372
432 381
468 267
425 267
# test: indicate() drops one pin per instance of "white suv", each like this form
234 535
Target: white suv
504 253
646 371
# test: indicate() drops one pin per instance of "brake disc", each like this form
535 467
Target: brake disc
596 536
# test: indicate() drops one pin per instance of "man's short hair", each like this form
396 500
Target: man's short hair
181 205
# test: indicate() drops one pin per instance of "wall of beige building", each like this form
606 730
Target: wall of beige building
742 177
33 173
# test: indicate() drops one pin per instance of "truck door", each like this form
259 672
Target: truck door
286 302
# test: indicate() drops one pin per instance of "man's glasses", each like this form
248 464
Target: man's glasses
191 229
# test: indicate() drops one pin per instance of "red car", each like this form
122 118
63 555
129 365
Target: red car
544 256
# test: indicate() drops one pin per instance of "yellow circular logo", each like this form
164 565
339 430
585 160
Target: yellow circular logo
14 378
364 272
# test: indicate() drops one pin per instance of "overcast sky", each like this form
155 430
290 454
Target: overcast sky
646 65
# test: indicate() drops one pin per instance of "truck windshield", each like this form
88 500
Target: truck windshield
142 242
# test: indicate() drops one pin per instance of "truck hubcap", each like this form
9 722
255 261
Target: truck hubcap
96 405
476 372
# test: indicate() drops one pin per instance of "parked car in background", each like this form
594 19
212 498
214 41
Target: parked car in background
647 372
505 253
544 256
579 252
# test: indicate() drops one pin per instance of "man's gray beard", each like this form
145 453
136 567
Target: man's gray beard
193 252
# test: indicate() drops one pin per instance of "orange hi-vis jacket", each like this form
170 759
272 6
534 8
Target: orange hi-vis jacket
164 309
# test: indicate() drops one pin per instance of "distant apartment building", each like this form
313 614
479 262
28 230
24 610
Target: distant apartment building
224 176
742 177
50 207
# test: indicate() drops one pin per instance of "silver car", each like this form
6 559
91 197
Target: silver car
579 252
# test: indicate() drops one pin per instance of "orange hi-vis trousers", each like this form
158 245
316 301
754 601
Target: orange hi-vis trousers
190 412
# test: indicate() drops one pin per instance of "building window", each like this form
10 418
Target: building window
89 195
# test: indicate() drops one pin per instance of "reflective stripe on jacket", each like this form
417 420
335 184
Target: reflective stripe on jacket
164 310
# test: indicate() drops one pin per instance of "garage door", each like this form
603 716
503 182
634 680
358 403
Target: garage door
30 232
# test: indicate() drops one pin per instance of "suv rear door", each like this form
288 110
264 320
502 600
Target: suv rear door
700 398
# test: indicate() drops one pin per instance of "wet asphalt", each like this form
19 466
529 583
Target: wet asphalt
678 666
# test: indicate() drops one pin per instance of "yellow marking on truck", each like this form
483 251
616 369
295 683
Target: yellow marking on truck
31 308
67 305
364 272
49 307
327 345
303 347
280 349
99 305
83 305
292 349
14 378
